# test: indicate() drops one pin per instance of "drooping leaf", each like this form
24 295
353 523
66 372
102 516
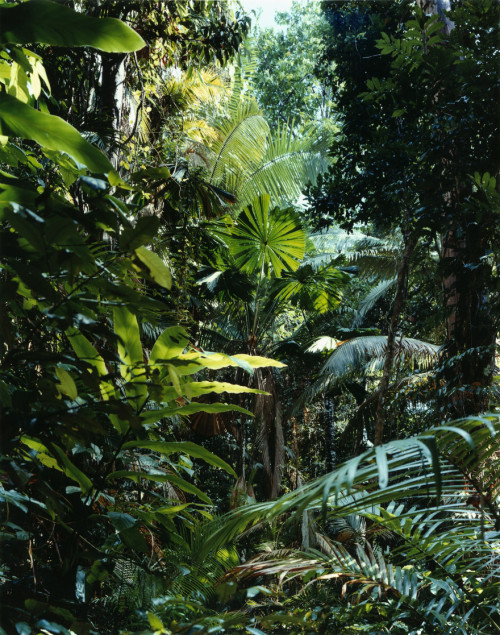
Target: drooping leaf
67 385
52 23
365 352
51 132
157 268
129 346
193 362
186 447
72 471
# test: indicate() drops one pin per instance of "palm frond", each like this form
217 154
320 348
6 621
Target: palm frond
364 353
439 465
239 147
371 299
288 163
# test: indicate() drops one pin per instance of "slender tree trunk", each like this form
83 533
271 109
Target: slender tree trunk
329 427
399 301
113 78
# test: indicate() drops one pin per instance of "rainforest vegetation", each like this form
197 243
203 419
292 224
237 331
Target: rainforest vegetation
249 306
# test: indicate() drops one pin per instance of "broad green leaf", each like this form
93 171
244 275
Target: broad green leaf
51 23
121 521
143 231
72 471
171 343
216 361
193 362
198 388
186 447
130 351
129 346
51 132
177 481
42 452
152 416
86 352
67 385
157 268
155 622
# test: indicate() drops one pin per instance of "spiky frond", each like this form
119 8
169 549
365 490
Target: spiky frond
438 465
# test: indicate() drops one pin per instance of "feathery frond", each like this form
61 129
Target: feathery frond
364 353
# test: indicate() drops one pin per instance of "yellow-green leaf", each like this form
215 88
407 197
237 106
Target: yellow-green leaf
67 386
157 268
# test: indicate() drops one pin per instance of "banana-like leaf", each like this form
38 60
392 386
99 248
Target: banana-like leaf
171 343
158 270
52 23
185 447
193 362
129 345
199 388
267 239
87 353
20 120
71 471
57 459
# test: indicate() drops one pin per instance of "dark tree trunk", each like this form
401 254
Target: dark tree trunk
469 351
468 363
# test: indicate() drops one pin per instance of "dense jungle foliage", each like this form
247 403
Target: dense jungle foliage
249 306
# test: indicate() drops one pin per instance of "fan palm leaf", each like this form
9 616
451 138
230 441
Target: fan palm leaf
268 240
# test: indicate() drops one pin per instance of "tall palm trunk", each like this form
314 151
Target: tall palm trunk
113 77
329 427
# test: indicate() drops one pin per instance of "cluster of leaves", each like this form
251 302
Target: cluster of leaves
89 482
